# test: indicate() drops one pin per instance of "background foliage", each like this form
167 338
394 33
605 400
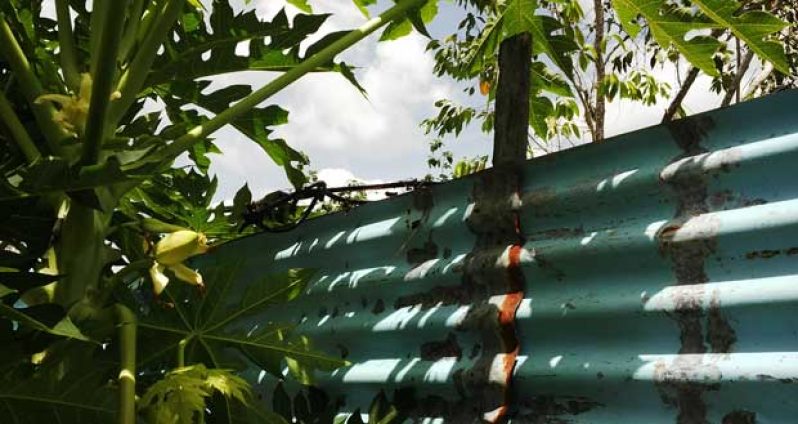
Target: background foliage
588 55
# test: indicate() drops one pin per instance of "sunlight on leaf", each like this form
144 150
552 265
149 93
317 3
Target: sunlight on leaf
180 396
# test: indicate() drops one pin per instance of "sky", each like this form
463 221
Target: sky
377 139
348 137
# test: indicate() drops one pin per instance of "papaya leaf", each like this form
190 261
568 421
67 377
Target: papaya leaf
182 198
396 30
363 4
48 318
301 5
671 28
415 18
181 395
751 27
70 385
273 45
346 71
226 328
22 281
255 124
53 174
422 16
520 16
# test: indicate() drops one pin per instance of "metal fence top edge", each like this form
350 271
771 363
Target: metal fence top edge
751 106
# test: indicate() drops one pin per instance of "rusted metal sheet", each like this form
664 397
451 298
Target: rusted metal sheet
652 278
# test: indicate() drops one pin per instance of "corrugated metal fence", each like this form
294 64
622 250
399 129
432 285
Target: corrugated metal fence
647 279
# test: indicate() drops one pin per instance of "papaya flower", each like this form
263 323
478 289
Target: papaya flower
170 252
73 110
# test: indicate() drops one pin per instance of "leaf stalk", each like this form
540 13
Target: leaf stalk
103 81
30 86
181 351
66 45
126 325
136 74
17 130
310 64
131 30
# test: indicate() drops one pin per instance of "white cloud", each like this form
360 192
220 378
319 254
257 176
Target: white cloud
338 177
337 127
331 117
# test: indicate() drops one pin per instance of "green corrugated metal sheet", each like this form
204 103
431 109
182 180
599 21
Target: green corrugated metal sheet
652 278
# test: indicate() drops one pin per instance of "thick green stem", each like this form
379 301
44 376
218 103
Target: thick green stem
30 86
103 80
136 74
309 65
126 325
66 46
81 253
17 130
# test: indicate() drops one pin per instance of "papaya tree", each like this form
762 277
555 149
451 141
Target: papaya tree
96 106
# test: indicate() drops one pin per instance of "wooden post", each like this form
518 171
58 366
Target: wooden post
511 123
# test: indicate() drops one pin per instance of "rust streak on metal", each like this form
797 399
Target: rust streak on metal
688 241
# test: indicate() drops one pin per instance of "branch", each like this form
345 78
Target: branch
17 130
126 324
692 74
735 87
183 143
600 109
66 45
103 80
676 103
136 74
30 86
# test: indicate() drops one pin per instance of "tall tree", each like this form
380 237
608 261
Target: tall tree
582 61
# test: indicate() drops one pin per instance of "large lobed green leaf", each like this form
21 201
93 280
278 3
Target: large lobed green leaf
204 50
521 16
48 318
227 327
255 124
416 18
69 385
670 26
752 27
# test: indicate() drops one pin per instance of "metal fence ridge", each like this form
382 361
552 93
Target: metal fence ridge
650 278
